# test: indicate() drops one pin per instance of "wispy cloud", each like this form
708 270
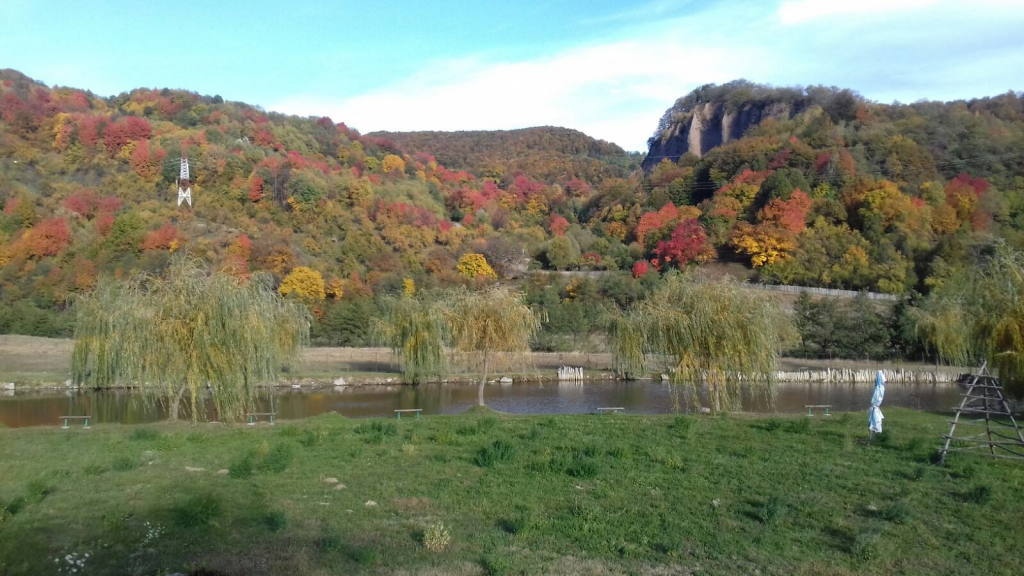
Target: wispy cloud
617 89
614 91
646 11
801 11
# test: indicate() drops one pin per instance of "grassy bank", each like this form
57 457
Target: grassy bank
31 362
490 493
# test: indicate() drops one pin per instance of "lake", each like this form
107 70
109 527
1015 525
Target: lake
43 408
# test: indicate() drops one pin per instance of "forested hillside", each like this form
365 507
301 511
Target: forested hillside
825 189
546 153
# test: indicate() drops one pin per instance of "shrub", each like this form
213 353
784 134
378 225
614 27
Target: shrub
313 438
242 468
124 464
582 468
274 520
436 538
443 438
773 510
897 513
12 508
144 434
497 452
197 511
519 522
978 495
799 426
277 460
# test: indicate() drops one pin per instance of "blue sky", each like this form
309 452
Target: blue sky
607 68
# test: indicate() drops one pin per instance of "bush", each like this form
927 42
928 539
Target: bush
311 438
274 520
144 434
497 452
197 511
799 426
436 538
277 460
12 508
773 511
683 426
978 495
124 464
242 468
582 468
37 491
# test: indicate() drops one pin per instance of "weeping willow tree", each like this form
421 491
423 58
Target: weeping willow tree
978 314
414 330
172 336
704 333
494 325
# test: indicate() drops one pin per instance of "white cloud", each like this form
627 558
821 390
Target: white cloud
617 90
614 91
801 11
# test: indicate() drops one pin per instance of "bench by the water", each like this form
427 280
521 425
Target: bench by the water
398 413
811 407
613 410
255 415
66 418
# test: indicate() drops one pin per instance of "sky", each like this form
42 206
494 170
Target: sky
607 68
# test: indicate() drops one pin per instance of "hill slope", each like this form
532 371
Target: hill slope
808 186
547 153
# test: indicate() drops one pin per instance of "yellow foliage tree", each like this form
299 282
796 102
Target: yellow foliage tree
335 288
475 266
305 284
393 162
409 287
764 243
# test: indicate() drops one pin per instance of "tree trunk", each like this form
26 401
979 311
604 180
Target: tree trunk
173 411
483 382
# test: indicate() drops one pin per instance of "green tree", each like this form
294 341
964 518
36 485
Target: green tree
494 323
186 331
414 329
712 333
978 314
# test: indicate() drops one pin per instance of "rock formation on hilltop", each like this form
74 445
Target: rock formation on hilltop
714 115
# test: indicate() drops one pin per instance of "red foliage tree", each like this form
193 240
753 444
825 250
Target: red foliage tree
790 214
166 237
255 189
83 202
640 268
47 238
688 243
109 205
558 225
129 129
146 163
104 224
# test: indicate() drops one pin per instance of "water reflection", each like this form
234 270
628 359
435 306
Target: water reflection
539 397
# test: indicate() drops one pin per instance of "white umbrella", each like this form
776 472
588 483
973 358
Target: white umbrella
875 413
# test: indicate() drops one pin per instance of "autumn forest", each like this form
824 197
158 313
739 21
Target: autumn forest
825 189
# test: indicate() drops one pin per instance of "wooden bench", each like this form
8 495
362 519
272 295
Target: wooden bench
811 407
66 418
613 410
398 413
255 415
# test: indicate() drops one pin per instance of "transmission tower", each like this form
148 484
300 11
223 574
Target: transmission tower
184 184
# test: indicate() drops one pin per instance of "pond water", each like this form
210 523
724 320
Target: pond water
538 397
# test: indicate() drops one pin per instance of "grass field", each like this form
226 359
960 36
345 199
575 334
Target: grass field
486 493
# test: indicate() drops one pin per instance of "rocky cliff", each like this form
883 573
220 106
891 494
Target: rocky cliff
699 127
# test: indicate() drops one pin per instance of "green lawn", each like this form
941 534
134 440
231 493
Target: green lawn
515 494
